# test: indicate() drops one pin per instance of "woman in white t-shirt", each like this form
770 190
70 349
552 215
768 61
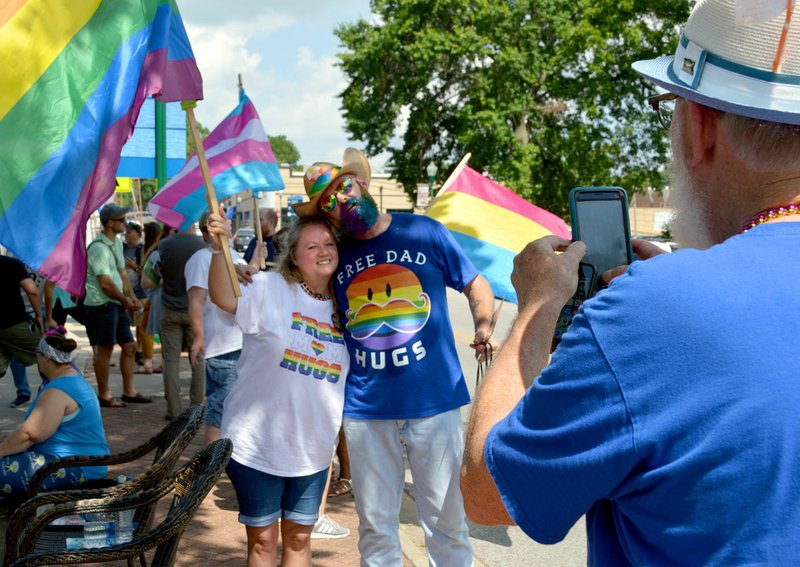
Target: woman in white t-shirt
284 411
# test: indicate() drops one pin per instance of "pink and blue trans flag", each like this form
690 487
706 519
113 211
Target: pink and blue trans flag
74 75
239 157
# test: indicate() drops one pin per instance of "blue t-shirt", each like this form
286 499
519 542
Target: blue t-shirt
668 414
391 291
81 432
251 250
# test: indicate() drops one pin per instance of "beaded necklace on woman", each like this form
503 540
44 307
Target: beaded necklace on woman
314 294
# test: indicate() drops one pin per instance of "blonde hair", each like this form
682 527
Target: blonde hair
288 244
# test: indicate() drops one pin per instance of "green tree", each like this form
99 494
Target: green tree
285 150
202 130
540 92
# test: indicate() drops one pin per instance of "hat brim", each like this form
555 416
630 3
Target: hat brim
353 163
660 71
307 208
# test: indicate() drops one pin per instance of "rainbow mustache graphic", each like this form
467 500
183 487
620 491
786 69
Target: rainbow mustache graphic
392 324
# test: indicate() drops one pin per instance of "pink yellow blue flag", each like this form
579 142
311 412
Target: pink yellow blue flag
492 224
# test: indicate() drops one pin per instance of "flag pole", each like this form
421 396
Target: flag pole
262 263
256 216
211 197
454 175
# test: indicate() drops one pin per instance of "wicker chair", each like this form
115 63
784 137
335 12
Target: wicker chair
188 486
183 428
167 446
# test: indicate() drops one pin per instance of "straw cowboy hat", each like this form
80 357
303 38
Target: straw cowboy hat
321 174
733 66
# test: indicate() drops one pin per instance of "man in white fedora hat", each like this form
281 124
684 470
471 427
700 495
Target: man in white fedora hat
668 414
405 387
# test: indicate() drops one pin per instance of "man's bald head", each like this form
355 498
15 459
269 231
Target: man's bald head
269 221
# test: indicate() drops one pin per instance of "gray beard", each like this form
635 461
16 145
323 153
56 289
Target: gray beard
690 224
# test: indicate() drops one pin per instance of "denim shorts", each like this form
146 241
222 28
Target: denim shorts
108 325
220 376
264 498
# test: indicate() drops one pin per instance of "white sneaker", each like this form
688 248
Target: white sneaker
325 528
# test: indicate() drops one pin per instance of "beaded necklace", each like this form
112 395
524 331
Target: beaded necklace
314 294
770 214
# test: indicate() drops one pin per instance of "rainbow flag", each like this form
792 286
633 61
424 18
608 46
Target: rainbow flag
74 75
492 224
239 157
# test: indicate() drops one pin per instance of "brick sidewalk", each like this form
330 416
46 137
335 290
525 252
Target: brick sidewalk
214 537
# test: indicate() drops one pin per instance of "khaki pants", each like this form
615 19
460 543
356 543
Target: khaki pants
176 335
18 340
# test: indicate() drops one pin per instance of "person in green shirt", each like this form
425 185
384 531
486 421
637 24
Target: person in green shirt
108 300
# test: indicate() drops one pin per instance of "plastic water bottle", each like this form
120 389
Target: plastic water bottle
123 529
103 530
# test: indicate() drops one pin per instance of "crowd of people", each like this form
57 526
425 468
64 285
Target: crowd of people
664 416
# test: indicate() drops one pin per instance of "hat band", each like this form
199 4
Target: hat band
719 78
688 51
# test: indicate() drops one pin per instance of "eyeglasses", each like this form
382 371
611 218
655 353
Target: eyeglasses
664 106
119 220
330 203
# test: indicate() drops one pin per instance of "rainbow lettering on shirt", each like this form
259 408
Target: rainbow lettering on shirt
310 365
321 331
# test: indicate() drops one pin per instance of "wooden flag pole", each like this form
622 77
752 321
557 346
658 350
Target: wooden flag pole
262 263
453 176
211 197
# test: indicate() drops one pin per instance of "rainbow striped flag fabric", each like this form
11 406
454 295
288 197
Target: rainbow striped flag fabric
74 75
492 224
239 157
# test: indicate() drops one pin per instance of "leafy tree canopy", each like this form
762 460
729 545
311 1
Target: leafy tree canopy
202 130
285 150
541 92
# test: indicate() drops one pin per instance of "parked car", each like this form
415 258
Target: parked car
663 243
242 238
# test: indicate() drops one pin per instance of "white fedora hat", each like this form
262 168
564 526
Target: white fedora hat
729 66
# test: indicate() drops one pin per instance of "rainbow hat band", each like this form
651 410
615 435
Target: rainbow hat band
321 174
318 177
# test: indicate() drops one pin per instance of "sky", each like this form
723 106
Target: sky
286 54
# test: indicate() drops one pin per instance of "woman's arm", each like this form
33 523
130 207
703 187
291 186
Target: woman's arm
41 424
219 285
49 322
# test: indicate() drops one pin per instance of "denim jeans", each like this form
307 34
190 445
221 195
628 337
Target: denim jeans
220 376
434 446
20 374
264 498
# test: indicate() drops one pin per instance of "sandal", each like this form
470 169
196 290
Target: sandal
340 487
143 370
111 403
137 399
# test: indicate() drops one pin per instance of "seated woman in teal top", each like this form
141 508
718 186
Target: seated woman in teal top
64 420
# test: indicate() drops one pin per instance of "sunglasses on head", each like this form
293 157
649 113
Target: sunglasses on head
345 188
